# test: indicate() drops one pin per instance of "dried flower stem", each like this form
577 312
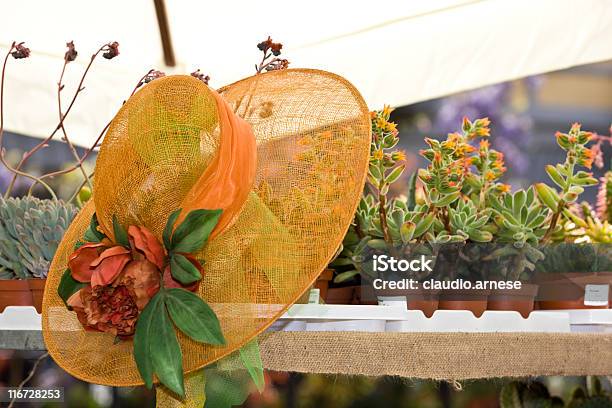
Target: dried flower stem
75 154
81 160
29 377
15 171
269 49
79 163
46 141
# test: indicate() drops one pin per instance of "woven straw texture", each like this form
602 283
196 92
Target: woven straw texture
312 131
438 356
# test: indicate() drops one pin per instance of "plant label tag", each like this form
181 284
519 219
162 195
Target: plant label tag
313 296
396 301
596 295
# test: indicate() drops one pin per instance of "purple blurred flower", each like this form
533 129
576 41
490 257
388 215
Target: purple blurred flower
509 126
21 185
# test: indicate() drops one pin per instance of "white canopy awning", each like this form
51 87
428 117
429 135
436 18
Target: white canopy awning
395 52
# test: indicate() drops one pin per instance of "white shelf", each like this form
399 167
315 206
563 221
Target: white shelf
20 318
18 322
364 318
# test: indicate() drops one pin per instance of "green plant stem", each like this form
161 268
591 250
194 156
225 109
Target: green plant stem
382 210
358 229
561 204
485 184
446 220
553 222
516 261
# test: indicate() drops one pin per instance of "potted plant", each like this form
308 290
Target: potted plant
30 231
386 167
458 185
322 282
499 231
475 227
521 223
566 271
569 266
381 225
407 223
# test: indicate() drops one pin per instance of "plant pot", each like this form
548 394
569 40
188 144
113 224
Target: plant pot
424 300
566 290
519 300
37 288
14 292
391 297
367 295
342 296
464 299
322 282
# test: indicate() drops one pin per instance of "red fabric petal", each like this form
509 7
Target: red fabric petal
75 300
143 240
110 252
109 268
145 278
80 261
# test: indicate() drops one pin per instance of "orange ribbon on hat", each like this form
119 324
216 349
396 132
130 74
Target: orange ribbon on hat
227 181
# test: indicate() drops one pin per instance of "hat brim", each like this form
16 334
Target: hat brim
312 130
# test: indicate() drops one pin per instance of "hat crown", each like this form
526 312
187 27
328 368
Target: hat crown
156 147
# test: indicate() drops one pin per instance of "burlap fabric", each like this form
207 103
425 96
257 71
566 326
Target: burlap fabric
312 131
439 356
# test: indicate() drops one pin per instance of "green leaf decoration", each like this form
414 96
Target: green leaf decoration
194 231
183 270
93 234
68 286
166 356
145 331
251 358
225 389
167 234
121 236
89 236
194 317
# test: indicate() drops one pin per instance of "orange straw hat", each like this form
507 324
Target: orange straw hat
283 154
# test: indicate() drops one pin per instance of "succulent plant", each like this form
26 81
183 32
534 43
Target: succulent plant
573 257
585 225
30 231
521 218
565 176
466 220
403 224
465 213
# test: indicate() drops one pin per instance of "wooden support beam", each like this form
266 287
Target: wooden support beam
164 32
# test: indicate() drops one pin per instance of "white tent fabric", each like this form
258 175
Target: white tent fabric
395 52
